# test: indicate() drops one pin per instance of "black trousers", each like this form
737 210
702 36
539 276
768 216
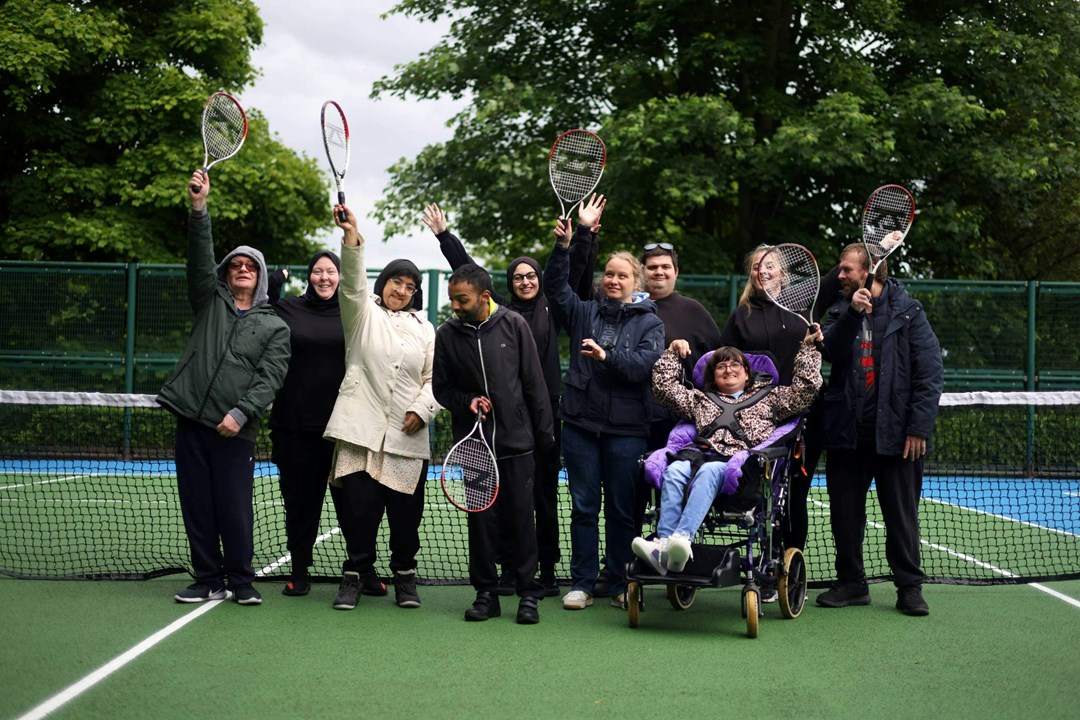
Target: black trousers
214 479
798 519
303 459
546 502
899 487
361 502
508 520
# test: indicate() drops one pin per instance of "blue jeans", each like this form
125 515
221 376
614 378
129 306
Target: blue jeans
674 516
601 464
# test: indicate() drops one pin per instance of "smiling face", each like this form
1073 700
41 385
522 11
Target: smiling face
468 302
768 274
397 293
660 276
243 275
852 272
324 278
619 281
525 281
730 376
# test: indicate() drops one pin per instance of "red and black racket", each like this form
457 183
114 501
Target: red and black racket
335 132
886 220
470 476
575 165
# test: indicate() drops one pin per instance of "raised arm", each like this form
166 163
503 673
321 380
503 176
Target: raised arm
353 289
201 269
452 248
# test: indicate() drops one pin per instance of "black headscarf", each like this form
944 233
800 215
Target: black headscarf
534 311
397 268
311 298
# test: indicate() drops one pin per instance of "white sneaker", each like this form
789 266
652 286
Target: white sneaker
649 552
679 552
576 600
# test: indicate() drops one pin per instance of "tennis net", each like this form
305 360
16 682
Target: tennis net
88 490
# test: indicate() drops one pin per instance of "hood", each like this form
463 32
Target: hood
261 286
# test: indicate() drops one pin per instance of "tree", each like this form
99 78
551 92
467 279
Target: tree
735 122
100 128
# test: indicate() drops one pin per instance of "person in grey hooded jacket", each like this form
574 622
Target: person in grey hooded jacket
234 364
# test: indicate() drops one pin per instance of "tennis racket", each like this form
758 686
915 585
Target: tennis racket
335 135
224 127
575 166
886 219
470 477
789 275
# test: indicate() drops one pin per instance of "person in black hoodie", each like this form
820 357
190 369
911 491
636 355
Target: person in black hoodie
303 406
486 362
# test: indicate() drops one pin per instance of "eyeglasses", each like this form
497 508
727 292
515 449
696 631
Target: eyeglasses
518 279
250 265
662 246
402 286
728 366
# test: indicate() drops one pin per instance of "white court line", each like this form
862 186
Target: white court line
78 688
975 561
50 481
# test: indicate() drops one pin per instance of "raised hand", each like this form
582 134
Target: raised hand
589 212
434 218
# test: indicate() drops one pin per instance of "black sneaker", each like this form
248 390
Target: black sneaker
299 583
405 590
373 586
527 613
844 594
246 595
551 585
507 584
198 593
909 600
602 586
484 607
348 592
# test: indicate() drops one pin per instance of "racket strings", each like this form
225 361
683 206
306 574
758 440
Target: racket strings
337 147
789 276
470 476
886 220
224 127
576 164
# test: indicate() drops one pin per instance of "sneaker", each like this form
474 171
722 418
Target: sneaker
551 585
198 593
619 601
484 607
679 552
246 595
768 595
507 583
405 590
299 583
527 613
649 552
373 586
909 600
844 594
348 592
576 600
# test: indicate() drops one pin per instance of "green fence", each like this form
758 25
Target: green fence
121 327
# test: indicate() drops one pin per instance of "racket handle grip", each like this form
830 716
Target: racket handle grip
195 188
341 201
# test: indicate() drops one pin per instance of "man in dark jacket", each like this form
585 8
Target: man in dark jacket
486 362
878 417
234 364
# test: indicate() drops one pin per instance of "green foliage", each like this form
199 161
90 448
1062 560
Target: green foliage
732 123
100 128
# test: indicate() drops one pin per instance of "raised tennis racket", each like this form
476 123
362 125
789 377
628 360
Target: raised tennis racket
335 135
886 219
470 477
224 127
789 275
575 165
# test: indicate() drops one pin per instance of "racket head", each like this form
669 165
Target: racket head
576 164
470 476
335 130
224 127
886 220
789 276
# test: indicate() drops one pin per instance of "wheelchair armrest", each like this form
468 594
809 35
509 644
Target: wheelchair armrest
773 452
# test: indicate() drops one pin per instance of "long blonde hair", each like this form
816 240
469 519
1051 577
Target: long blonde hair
748 268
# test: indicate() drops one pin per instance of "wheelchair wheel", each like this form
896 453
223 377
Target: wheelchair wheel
681 597
751 608
633 602
792 586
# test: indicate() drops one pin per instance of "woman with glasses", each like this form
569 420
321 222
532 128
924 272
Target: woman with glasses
383 405
735 411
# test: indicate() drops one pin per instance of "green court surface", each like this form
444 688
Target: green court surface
998 652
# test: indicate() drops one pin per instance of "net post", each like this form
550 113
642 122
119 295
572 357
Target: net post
129 350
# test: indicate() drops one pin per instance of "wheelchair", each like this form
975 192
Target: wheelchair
741 541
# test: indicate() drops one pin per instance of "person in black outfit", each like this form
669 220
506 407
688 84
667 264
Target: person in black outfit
486 362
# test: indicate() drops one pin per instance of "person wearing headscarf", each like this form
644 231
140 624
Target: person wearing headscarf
384 404
232 367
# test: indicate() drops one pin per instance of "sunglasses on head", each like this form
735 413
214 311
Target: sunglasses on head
662 246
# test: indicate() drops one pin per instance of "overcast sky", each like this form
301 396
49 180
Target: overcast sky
321 50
